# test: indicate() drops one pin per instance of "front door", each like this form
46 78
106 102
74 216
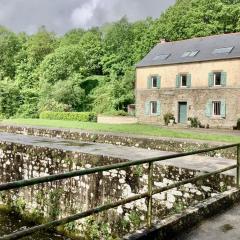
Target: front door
182 112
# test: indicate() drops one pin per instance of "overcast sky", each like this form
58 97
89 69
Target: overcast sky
62 15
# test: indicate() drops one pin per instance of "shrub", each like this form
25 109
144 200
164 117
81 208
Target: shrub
194 122
167 117
70 116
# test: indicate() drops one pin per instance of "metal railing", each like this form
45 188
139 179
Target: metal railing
148 195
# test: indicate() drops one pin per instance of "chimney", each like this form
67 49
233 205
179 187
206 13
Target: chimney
162 40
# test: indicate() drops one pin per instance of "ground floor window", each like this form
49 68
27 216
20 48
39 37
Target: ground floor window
216 108
153 107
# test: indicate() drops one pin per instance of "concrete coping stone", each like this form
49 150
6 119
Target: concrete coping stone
137 136
169 227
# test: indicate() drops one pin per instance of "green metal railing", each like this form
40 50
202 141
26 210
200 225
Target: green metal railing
148 195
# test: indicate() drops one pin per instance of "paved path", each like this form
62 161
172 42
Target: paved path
222 227
196 162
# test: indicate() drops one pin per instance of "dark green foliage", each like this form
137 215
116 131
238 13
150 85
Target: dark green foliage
10 98
167 117
71 116
93 70
194 122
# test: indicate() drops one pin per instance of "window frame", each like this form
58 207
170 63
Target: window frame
214 78
181 80
152 79
214 104
152 107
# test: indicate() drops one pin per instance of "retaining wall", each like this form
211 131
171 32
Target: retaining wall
62 198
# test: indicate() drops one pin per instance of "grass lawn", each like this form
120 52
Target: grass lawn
140 129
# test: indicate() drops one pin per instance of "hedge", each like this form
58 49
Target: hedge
70 116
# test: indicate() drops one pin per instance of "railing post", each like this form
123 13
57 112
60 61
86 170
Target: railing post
238 166
149 199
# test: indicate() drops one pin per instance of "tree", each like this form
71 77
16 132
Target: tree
194 18
117 47
10 99
9 46
62 64
91 47
32 53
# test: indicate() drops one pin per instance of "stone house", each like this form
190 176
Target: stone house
198 77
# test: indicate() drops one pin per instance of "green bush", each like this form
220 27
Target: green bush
167 117
70 116
194 122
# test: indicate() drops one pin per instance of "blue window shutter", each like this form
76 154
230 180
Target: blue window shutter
223 79
210 79
158 82
147 108
158 108
149 82
208 110
178 81
189 80
223 109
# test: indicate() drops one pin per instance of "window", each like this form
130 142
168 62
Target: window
190 53
154 81
153 107
225 50
217 76
184 80
161 57
216 108
217 79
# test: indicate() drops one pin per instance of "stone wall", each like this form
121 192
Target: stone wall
116 120
157 143
196 98
63 198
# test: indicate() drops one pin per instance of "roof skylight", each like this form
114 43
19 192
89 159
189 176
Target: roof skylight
225 50
190 53
161 57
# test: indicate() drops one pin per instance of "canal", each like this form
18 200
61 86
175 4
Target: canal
10 223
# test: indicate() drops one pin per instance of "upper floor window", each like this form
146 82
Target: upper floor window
217 79
154 81
183 80
217 76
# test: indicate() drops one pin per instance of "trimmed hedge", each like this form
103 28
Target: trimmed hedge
70 116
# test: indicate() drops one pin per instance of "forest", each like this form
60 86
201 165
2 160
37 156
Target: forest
94 69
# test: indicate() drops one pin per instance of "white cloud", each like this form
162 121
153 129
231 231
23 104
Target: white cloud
82 16
63 15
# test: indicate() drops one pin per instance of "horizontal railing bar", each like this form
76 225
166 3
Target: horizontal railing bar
55 177
106 207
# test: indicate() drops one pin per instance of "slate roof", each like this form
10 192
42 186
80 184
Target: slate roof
205 46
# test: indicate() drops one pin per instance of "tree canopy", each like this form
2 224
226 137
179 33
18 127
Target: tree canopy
93 70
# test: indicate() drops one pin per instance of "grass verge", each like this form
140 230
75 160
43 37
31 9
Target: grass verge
140 129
